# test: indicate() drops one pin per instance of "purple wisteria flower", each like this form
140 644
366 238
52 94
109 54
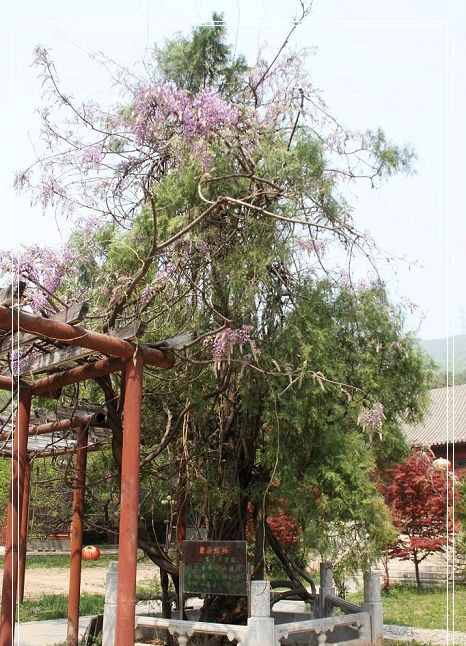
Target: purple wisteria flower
20 360
373 418
163 106
41 267
311 246
92 155
223 343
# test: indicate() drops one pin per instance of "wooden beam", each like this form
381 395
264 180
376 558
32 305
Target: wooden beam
51 383
98 419
73 314
52 360
98 446
75 335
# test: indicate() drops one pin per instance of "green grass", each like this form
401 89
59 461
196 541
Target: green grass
55 606
63 561
404 606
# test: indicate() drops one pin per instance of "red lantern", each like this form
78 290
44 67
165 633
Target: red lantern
90 553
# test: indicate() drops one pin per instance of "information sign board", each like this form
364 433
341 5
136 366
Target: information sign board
214 567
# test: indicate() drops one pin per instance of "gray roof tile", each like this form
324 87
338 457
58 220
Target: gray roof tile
444 420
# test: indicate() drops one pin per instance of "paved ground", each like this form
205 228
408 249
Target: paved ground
46 633
424 635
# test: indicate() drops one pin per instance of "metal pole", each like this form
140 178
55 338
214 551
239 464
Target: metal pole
10 568
129 506
24 530
77 519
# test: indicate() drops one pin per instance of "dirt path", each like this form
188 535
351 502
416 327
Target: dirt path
54 580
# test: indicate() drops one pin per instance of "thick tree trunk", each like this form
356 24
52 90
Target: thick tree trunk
166 603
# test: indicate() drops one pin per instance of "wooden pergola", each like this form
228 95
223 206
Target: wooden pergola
66 353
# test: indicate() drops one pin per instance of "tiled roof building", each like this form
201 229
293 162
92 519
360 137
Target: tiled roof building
444 425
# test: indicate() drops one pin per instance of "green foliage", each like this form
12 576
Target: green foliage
51 495
392 158
204 60
325 460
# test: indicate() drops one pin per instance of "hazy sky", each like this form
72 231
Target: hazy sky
398 65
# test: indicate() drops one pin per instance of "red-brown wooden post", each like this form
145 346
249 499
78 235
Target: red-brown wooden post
10 568
129 505
24 530
76 539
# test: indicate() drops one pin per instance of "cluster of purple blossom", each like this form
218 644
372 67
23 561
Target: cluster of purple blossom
223 342
49 191
92 155
90 224
359 285
311 246
373 418
156 107
157 284
42 267
19 361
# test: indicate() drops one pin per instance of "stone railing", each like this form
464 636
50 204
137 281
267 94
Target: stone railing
359 623
359 626
184 630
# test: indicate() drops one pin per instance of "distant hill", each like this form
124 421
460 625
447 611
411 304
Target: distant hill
437 349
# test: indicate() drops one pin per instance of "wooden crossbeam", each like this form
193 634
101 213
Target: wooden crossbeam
61 356
73 314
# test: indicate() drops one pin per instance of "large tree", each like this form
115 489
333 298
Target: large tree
215 194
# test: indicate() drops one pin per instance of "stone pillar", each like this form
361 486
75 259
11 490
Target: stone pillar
261 626
110 607
326 588
373 605
76 536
